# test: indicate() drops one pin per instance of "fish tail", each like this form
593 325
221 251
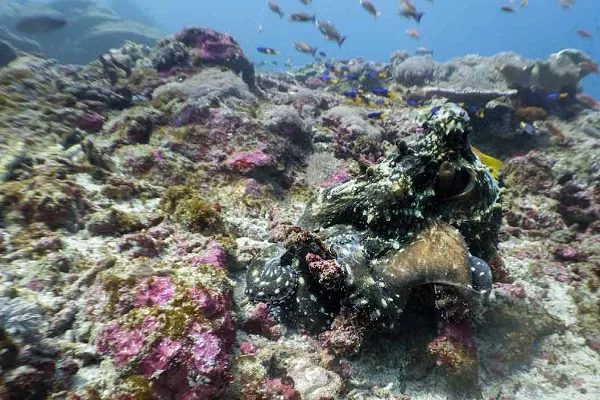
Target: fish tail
280 14
341 40
314 18
418 16
314 51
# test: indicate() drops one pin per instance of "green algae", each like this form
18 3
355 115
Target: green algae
189 209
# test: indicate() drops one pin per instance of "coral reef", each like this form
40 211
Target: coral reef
174 225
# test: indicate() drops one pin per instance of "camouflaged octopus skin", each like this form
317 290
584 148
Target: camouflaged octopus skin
428 214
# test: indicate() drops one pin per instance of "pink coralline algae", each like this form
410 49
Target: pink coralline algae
247 161
215 256
260 322
154 291
569 254
327 272
163 353
207 353
210 303
122 344
454 348
338 177
91 122
215 48
247 348
282 388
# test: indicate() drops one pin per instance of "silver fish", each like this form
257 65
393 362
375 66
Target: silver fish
305 2
303 47
422 51
330 33
302 17
408 10
367 5
275 8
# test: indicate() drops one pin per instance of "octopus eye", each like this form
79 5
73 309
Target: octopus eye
452 182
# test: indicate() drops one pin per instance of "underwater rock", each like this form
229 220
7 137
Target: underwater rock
410 221
312 381
561 71
210 47
414 71
211 86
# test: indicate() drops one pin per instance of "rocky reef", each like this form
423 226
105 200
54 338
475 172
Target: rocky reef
175 225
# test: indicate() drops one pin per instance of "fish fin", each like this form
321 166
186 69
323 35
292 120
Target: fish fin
377 14
418 16
314 18
341 40
314 51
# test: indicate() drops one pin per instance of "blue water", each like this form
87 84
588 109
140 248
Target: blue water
451 28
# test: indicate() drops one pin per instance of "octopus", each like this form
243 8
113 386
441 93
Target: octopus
428 215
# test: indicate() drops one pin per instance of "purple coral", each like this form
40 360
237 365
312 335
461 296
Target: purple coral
163 353
247 161
327 272
154 291
121 344
215 48
215 256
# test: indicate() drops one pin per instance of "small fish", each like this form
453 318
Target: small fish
557 96
267 50
383 93
412 102
408 10
288 63
350 94
353 76
374 74
328 78
413 33
274 62
435 110
40 24
303 47
260 29
524 3
367 5
302 17
583 33
275 8
261 64
492 163
507 9
376 115
566 3
527 128
305 2
422 51
588 100
330 33
322 54
590 131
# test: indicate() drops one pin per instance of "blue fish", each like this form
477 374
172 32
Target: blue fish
372 74
375 115
350 94
352 76
435 110
412 102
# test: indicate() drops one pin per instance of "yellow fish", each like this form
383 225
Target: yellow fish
492 163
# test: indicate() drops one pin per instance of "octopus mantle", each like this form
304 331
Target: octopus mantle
427 215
